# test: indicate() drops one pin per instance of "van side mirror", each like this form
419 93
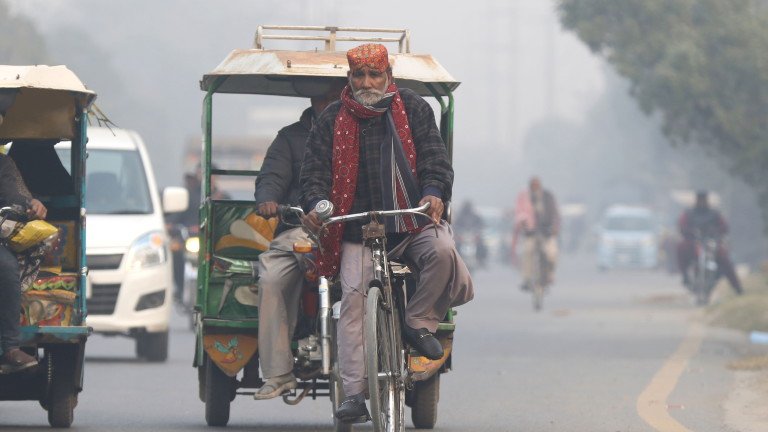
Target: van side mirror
175 199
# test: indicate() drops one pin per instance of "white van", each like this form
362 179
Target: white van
130 282
628 237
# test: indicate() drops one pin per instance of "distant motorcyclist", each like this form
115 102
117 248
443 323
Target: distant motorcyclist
536 214
706 221
186 223
468 228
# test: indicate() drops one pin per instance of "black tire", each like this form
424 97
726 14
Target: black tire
538 296
219 392
152 346
62 388
201 382
334 383
383 352
539 284
426 395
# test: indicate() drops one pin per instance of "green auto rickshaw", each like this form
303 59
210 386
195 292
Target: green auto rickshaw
226 312
39 107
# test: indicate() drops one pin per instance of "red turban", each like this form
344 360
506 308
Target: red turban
374 56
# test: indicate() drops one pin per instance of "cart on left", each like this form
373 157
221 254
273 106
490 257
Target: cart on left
41 106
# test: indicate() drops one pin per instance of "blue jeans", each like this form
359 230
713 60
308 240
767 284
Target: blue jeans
10 299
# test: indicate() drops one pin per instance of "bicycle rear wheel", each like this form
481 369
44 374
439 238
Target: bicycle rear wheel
538 296
384 364
540 278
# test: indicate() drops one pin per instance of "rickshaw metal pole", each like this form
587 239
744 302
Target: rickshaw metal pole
205 211
449 124
81 160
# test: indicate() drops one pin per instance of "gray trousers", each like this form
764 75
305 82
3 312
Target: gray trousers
444 281
280 284
10 299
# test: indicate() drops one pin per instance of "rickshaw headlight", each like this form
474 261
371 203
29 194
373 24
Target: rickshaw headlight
149 250
192 245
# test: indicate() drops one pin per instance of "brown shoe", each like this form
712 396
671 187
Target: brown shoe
16 360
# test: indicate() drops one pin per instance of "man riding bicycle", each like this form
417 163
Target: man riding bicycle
379 149
538 219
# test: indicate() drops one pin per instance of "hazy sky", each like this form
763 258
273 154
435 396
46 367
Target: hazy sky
516 64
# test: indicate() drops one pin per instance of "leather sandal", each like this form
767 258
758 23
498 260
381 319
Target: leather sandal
16 360
275 387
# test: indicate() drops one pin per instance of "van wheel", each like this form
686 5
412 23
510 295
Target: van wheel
219 392
62 395
152 346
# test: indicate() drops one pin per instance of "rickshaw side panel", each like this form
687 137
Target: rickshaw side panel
235 237
232 238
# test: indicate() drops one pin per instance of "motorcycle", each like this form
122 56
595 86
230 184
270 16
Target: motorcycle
705 269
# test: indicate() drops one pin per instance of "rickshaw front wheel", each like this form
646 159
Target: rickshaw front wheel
62 394
219 392
425 396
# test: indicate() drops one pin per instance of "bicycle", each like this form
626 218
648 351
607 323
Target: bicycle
540 281
382 326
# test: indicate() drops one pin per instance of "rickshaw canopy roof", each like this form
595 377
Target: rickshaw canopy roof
41 102
274 72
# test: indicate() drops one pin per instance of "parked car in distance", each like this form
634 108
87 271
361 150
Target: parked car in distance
627 238
130 285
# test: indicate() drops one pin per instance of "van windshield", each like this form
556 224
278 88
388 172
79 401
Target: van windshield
628 223
116 182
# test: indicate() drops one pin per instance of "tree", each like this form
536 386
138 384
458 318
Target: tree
700 64
20 42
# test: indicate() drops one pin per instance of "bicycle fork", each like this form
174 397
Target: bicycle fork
325 335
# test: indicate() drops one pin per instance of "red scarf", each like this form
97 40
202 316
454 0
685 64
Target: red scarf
346 155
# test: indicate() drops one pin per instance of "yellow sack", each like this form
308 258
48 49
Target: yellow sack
253 232
32 233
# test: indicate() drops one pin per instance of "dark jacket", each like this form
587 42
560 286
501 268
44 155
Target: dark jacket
548 222
707 220
433 168
278 180
12 187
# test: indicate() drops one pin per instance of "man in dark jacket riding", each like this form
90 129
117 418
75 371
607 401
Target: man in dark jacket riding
280 275
704 221
379 149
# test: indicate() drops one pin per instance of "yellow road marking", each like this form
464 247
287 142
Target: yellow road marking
652 402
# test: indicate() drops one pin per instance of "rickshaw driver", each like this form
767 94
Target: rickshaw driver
280 274
384 140
13 191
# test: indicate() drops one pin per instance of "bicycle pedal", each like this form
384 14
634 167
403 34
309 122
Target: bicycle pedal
356 420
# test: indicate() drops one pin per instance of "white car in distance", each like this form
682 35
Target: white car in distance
130 282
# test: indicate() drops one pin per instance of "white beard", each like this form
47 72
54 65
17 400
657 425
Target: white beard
369 97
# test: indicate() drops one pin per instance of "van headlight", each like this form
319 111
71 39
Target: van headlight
149 250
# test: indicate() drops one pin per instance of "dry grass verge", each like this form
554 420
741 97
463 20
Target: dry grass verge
748 312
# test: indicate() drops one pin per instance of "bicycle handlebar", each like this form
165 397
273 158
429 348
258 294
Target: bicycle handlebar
15 210
283 209
372 214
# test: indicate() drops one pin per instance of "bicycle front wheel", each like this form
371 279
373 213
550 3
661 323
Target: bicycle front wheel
384 364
